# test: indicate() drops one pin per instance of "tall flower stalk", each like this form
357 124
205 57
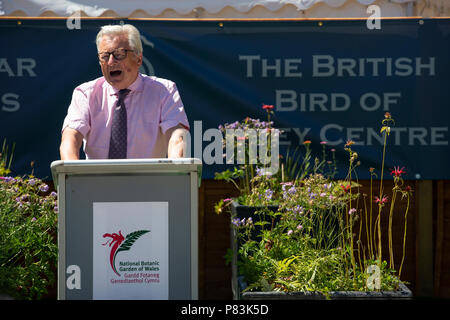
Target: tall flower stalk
6 157
407 194
382 199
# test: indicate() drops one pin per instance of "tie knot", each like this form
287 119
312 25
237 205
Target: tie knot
123 93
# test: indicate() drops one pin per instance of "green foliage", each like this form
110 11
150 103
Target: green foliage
313 241
28 235
245 133
295 260
6 159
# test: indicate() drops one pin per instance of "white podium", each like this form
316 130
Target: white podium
128 229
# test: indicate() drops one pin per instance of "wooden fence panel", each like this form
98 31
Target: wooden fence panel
442 240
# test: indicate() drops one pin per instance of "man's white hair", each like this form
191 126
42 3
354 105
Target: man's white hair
134 37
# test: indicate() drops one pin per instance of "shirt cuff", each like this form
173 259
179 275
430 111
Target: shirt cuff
77 125
166 125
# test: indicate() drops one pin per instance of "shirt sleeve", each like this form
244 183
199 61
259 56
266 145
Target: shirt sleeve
78 113
172 110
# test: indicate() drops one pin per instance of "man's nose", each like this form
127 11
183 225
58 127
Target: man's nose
112 60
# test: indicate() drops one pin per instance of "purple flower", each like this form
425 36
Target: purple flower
284 184
233 125
262 172
292 190
235 222
8 179
298 209
32 182
43 188
259 172
299 227
33 219
351 211
53 194
290 232
19 202
269 194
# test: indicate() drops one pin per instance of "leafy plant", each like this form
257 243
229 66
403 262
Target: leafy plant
314 240
6 159
28 228
246 132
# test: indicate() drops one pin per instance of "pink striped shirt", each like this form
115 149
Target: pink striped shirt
153 106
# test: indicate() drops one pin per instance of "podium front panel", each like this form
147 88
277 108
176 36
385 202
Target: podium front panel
129 236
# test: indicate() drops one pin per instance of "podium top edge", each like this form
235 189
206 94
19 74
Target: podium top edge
106 166
126 162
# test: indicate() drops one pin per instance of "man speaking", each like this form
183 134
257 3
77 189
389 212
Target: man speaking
124 114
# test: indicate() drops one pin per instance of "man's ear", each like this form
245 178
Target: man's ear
139 59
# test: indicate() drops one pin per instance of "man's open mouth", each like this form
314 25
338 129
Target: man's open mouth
115 73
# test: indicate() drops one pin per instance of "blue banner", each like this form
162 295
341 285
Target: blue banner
328 80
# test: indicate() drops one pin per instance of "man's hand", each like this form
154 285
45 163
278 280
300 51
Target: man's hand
71 141
177 143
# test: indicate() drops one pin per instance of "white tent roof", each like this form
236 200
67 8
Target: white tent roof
213 8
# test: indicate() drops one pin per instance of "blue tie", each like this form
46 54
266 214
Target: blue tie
118 142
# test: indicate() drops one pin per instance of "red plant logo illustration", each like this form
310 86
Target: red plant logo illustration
120 243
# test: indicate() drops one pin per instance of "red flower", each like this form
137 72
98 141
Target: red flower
345 188
397 171
267 106
349 143
383 200
307 142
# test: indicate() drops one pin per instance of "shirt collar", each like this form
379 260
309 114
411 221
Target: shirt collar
136 86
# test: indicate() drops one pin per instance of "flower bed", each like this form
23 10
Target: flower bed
302 234
28 245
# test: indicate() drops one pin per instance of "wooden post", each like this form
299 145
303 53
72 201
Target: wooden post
424 238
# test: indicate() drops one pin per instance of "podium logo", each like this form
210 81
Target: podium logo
119 243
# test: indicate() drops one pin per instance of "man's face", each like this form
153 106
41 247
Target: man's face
119 73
